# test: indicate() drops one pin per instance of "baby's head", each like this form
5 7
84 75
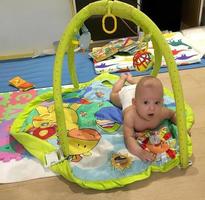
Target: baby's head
148 97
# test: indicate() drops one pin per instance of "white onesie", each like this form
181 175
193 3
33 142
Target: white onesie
126 94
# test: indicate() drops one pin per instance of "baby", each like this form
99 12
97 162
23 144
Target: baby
143 109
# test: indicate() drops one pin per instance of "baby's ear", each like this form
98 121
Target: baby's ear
134 101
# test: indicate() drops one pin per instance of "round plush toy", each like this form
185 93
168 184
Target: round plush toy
142 60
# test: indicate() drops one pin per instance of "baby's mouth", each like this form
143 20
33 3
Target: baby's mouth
151 114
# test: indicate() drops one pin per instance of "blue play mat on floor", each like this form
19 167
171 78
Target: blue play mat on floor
40 70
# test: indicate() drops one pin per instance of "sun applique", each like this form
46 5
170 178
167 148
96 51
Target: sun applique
121 161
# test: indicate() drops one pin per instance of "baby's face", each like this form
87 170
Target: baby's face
149 103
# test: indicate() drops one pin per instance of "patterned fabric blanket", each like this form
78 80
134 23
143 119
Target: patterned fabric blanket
182 51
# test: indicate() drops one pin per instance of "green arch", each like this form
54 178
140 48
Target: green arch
161 48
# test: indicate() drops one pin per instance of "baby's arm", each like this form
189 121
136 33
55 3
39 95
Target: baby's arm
132 144
169 114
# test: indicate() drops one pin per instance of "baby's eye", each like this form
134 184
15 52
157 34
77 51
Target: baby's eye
145 102
157 102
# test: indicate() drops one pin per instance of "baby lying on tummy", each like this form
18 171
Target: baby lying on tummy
143 109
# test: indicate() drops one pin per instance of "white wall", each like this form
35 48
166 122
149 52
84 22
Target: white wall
27 25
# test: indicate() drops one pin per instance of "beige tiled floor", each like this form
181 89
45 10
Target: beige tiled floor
176 184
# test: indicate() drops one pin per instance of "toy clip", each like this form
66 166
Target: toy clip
53 158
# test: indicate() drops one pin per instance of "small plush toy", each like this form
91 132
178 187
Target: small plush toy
21 84
159 142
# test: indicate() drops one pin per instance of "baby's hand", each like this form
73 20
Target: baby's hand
139 135
146 155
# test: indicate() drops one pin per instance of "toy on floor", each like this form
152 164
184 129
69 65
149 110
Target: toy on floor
21 84
119 45
83 125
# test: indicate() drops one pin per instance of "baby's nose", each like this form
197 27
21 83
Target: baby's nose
151 107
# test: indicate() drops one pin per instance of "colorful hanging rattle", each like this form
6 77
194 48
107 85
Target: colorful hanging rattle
143 59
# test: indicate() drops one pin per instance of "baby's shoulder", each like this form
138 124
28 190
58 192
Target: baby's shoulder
129 113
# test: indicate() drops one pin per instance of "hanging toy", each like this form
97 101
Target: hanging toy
111 16
85 38
142 60
82 41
